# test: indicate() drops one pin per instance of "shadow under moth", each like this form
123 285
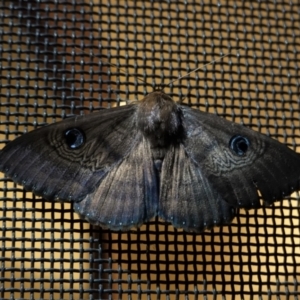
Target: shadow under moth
123 166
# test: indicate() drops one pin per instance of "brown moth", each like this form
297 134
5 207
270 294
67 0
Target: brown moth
123 166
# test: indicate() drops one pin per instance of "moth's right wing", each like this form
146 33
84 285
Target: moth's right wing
239 163
187 199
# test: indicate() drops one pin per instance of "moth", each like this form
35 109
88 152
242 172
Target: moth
123 166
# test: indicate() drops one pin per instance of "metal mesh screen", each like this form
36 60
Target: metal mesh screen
57 58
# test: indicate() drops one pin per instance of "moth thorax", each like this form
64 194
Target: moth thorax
160 119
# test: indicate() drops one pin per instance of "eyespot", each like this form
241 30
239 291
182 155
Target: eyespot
74 138
239 144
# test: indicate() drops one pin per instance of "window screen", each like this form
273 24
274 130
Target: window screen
60 58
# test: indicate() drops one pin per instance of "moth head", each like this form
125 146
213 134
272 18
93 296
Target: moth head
160 119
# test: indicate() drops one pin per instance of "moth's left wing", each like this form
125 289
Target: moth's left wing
67 159
127 196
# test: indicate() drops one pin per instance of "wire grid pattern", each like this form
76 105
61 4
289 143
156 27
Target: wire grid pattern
57 59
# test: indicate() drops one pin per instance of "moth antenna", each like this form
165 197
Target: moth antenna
115 66
195 70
